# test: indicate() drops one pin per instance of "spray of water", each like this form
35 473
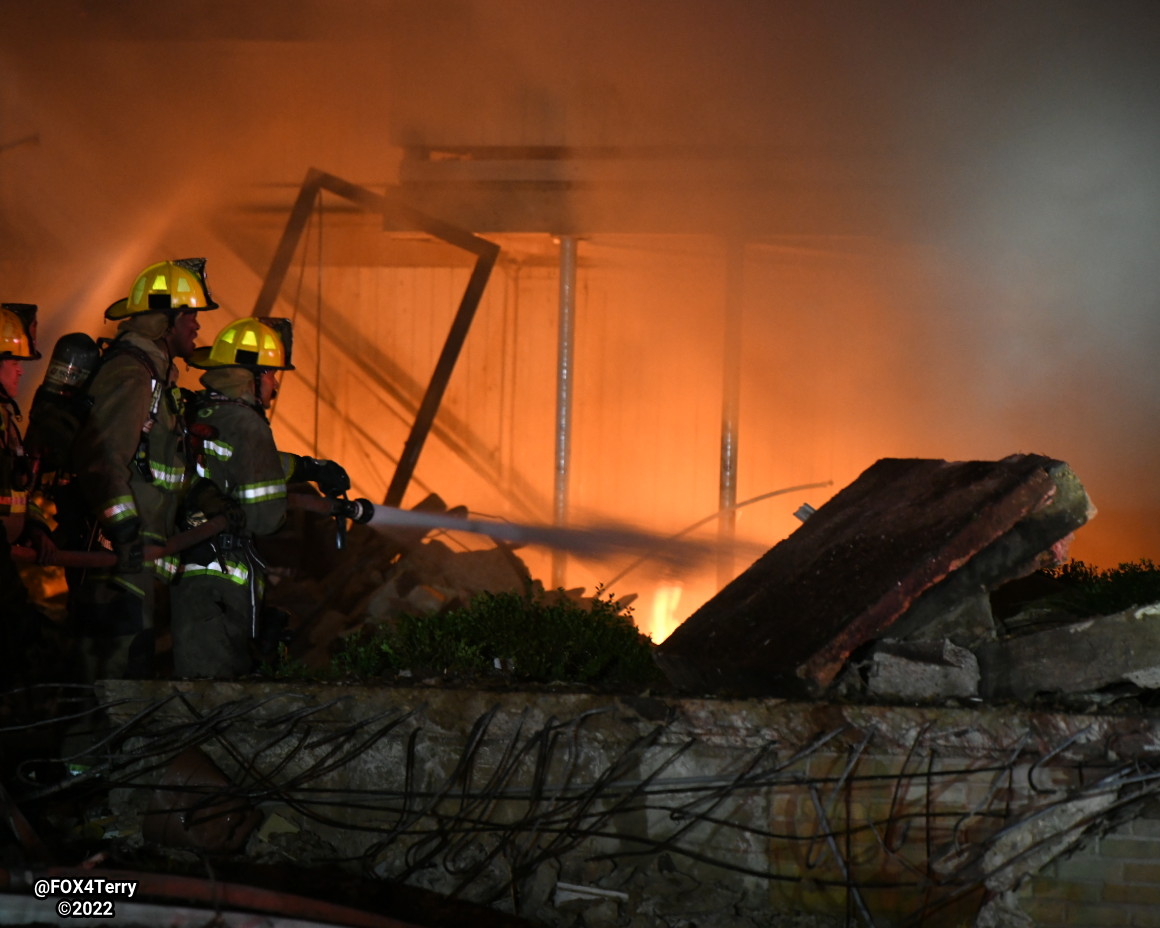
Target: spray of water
595 542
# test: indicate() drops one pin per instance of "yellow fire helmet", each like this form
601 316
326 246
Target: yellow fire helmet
18 332
168 285
253 342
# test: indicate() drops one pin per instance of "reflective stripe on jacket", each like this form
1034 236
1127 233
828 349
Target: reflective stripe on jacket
242 459
13 472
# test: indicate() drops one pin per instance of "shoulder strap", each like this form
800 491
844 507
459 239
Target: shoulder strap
213 398
111 348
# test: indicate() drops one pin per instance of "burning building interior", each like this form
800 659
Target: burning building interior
810 332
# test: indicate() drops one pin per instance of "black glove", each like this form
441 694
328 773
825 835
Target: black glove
330 477
39 539
125 538
205 497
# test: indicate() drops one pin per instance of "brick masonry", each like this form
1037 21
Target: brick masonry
584 810
1113 880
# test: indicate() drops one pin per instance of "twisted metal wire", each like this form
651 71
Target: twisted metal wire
506 807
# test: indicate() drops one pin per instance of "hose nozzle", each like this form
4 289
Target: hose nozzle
357 510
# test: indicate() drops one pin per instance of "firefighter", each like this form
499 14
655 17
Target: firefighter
17 344
17 482
241 474
129 461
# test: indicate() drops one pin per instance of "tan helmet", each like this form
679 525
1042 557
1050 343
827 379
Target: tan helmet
255 342
177 285
18 332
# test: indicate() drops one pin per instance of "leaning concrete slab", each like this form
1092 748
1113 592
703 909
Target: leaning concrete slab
907 532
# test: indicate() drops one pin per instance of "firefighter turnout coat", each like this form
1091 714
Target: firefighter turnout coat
129 457
14 473
222 582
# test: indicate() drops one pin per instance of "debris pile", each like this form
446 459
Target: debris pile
918 583
884 592
379 575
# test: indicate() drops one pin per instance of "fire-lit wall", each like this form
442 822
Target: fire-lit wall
647 394
833 371
950 252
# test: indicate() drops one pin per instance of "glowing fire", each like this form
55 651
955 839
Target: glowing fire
666 599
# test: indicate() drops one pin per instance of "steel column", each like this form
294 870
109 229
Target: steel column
730 408
564 386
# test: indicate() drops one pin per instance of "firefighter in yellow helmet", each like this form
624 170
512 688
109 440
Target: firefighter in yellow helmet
130 464
239 473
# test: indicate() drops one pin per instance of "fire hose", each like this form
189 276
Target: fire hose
103 558
592 541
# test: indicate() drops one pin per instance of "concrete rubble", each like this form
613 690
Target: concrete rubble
1077 657
582 810
908 551
884 593
379 575
914 670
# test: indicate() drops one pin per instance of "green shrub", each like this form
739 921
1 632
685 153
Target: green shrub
365 654
544 639
1091 591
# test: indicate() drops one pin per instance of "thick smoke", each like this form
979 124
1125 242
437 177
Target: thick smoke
948 212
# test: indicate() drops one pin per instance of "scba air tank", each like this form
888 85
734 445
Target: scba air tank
73 360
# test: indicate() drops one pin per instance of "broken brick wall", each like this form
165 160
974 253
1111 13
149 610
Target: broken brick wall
586 810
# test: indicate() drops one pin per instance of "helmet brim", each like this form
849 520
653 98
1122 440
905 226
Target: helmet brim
118 310
203 362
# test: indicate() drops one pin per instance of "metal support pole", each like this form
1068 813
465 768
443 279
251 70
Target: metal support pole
396 215
440 377
730 408
564 376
